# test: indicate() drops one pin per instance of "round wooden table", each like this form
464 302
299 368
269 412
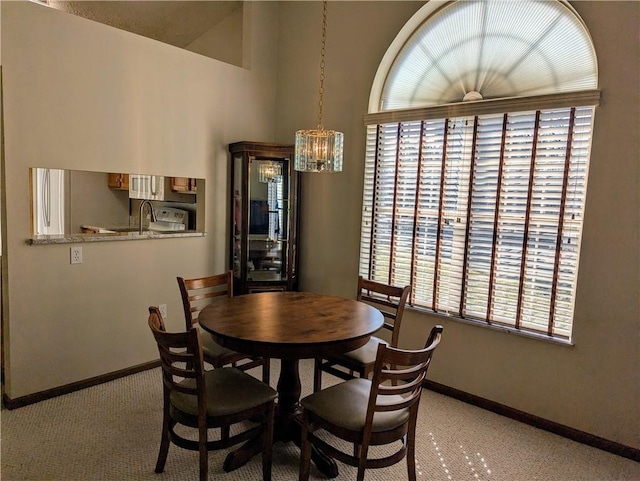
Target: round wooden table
288 326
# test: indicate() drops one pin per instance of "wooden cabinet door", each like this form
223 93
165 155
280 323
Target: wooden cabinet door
119 181
183 184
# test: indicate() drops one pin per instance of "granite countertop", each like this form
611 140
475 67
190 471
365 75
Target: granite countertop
109 236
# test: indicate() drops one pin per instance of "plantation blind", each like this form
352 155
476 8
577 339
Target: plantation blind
482 214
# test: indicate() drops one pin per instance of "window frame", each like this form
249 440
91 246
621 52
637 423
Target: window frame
500 62
376 121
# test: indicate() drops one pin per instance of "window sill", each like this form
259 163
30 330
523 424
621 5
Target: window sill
495 327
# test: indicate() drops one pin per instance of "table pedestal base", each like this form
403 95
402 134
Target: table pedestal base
291 433
287 426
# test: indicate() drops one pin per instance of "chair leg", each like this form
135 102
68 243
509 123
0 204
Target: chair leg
167 424
317 374
411 452
204 454
224 432
266 370
305 449
268 443
362 461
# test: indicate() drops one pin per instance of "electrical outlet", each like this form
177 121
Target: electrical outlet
76 255
163 310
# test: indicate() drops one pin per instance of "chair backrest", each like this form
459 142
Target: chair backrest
180 359
156 321
390 300
199 292
398 377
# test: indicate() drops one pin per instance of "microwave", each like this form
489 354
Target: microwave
146 187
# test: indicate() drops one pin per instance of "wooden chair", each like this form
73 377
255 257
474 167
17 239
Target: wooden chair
390 300
196 294
203 399
371 412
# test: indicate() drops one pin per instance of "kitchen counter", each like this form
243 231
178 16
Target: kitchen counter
109 236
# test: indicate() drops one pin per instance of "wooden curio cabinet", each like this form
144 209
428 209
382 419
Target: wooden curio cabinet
264 217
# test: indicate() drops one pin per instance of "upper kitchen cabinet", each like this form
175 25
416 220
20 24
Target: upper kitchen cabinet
118 181
264 217
186 185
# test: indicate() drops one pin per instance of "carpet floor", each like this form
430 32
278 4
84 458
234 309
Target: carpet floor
111 432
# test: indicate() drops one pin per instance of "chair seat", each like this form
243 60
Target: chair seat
345 405
229 391
367 353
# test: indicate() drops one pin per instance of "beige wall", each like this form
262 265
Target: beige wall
113 100
81 95
223 41
593 386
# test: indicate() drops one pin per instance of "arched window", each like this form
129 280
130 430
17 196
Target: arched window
478 144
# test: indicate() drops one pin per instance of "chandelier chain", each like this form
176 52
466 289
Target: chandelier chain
319 150
322 52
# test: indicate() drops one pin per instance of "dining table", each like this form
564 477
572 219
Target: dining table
288 326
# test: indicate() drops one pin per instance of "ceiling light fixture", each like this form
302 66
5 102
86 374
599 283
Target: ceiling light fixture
319 150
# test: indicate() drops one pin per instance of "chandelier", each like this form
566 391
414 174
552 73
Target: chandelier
269 171
319 150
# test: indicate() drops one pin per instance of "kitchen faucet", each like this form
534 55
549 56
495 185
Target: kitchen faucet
151 211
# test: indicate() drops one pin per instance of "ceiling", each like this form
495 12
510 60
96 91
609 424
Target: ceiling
177 23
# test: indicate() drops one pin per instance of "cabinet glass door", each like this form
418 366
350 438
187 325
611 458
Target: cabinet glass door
268 214
238 224
263 195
